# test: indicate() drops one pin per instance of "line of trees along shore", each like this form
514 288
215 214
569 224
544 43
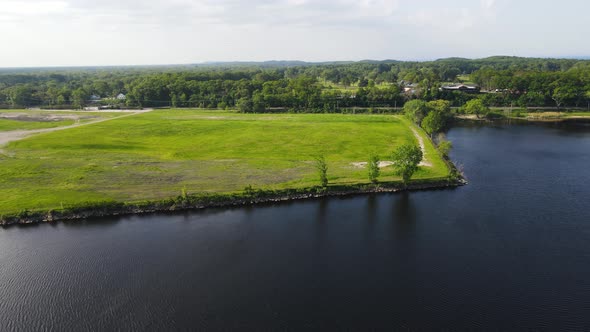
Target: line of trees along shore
324 87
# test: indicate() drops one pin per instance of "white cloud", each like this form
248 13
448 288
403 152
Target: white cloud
25 8
18 10
443 20
230 12
87 32
487 4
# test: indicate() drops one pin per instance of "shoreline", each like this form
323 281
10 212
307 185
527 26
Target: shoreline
204 201
540 119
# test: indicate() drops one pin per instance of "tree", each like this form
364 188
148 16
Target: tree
373 168
61 100
441 106
444 145
562 94
322 168
405 161
174 100
245 105
531 98
258 105
434 122
415 110
79 97
477 107
19 95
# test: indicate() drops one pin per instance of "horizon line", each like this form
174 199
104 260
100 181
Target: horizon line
222 62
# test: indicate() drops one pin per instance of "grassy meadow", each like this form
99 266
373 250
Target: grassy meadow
158 154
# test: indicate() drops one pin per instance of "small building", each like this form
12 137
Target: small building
94 99
461 88
410 88
121 97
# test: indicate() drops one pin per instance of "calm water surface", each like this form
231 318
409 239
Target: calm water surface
511 251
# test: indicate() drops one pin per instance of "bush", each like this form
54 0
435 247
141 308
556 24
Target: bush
373 168
444 147
322 168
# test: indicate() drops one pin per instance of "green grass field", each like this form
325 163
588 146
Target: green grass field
155 155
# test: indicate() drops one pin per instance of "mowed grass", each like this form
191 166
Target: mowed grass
158 154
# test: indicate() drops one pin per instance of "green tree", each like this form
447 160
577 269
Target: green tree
79 97
61 100
434 122
322 168
373 168
477 107
561 94
258 105
406 159
415 110
174 100
441 106
444 145
19 96
245 105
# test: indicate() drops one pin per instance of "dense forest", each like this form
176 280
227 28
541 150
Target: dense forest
303 87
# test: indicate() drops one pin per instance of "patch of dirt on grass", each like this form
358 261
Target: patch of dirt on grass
15 135
42 117
363 164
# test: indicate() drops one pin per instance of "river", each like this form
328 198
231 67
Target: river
511 250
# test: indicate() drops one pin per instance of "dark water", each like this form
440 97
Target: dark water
509 251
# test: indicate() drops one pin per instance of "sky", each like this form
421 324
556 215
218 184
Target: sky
143 32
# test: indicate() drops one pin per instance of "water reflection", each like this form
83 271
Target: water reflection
95 222
404 211
372 217
321 223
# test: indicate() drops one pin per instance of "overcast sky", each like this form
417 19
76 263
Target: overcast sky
136 32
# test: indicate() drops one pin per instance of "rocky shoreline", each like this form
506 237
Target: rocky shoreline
204 201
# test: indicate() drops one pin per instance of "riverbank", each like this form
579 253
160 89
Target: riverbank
530 117
203 201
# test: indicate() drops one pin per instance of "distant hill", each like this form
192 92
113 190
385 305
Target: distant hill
465 64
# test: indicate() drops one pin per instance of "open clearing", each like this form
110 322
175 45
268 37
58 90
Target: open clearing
158 154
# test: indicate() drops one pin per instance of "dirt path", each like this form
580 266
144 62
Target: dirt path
424 161
15 135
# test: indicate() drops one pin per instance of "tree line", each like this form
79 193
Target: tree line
304 87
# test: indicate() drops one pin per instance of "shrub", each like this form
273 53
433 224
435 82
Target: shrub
373 168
